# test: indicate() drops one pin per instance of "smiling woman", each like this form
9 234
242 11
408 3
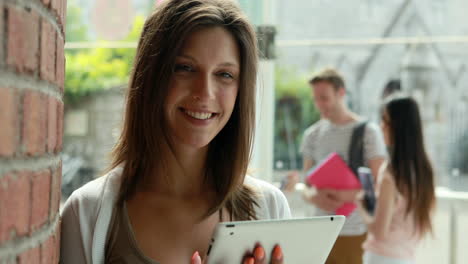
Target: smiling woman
180 165
203 88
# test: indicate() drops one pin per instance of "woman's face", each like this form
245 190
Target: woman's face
385 126
203 87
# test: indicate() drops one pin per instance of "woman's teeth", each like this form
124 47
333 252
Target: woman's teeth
198 115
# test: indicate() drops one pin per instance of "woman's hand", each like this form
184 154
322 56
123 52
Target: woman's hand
359 201
324 199
346 195
259 257
360 197
289 182
196 259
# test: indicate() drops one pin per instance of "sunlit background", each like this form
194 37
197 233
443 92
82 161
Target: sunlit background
421 43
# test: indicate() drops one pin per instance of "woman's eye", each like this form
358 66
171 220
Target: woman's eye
183 68
226 75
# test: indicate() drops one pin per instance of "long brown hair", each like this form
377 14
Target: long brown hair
409 163
141 146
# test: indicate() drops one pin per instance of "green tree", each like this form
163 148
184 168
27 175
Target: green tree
294 112
92 70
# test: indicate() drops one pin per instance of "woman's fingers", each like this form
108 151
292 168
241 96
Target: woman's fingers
258 256
249 260
196 259
277 255
360 196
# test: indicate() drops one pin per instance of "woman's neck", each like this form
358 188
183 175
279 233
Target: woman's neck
184 174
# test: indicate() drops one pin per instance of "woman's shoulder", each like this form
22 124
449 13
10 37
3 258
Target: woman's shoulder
88 197
85 217
272 204
95 188
260 184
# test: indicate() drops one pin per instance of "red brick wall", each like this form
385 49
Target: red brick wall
31 117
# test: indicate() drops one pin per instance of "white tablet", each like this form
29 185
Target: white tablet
303 240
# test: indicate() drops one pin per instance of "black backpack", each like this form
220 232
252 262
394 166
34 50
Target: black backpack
356 148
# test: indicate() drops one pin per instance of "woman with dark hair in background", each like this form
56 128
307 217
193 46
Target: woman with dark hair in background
179 166
405 188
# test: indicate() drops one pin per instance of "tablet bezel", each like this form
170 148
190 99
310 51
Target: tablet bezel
303 240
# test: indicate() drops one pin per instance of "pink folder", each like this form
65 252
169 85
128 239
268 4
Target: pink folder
333 173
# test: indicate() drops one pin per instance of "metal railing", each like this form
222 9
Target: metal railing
455 203
459 39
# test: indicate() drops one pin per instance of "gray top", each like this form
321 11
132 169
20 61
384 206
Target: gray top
87 214
324 137
122 247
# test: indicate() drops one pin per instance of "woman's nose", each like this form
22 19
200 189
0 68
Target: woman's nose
204 87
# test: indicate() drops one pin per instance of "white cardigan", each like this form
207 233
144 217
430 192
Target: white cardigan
87 213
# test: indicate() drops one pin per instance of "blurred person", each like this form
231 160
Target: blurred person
405 188
392 86
334 133
179 166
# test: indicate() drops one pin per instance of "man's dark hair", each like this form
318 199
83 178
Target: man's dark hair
329 75
392 86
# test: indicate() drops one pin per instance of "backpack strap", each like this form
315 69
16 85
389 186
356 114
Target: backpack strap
356 147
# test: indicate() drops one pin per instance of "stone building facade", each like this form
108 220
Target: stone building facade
435 73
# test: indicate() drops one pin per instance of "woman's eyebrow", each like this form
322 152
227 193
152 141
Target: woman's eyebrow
229 64
184 56
223 64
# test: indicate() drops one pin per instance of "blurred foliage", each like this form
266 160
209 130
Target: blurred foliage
294 112
75 29
93 70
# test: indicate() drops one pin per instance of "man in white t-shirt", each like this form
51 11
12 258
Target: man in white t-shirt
332 133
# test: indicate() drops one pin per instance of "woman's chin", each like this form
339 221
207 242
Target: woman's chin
196 143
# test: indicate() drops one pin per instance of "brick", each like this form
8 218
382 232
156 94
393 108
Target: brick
60 74
34 123
8 121
52 128
59 127
56 192
49 250
23 40
15 204
40 198
47 68
30 256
